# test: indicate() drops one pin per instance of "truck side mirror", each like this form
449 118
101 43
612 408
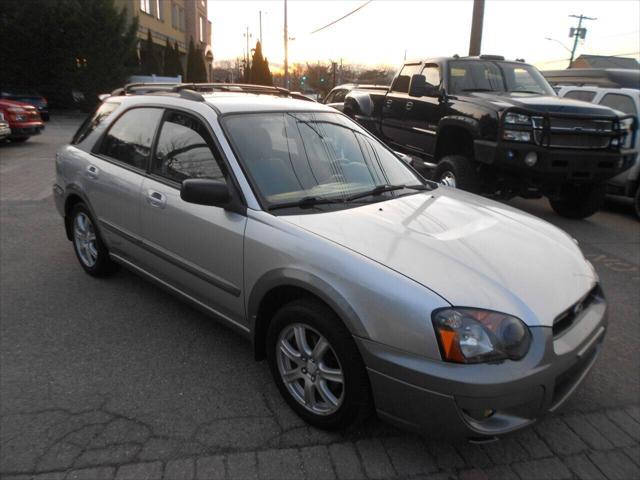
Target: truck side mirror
418 86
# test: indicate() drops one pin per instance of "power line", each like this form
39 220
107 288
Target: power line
342 18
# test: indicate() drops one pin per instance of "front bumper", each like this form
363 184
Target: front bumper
553 165
450 400
5 131
26 129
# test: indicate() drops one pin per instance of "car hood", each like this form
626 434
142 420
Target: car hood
470 250
544 104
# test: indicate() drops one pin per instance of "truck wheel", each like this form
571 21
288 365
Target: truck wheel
579 201
457 171
636 202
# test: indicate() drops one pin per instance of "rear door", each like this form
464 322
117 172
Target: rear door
195 248
113 177
393 125
423 114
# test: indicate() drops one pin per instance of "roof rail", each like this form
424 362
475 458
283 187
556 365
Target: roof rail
192 91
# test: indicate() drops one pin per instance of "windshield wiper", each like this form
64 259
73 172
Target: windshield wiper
305 202
527 91
378 189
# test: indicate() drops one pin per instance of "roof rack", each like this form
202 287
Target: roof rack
192 91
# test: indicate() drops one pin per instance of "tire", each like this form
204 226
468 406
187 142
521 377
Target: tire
331 404
579 201
88 245
19 139
457 171
636 202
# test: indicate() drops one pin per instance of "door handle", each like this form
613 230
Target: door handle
92 171
156 199
409 105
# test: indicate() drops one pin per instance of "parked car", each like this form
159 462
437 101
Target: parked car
335 98
24 120
625 100
27 96
363 284
496 127
5 131
594 77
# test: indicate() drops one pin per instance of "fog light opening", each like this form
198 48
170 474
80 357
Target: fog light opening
531 159
482 414
510 155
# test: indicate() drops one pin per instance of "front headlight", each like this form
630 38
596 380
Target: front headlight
468 335
517 135
517 119
16 109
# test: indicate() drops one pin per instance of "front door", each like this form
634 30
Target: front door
394 128
424 113
195 248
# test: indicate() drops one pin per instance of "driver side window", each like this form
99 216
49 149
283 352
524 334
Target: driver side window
185 151
432 74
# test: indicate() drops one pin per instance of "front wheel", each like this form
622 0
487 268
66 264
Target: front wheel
457 171
579 201
316 365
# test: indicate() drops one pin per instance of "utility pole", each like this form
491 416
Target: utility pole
286 49
248 52
577 33
476 28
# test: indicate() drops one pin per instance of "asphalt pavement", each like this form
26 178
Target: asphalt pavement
114 378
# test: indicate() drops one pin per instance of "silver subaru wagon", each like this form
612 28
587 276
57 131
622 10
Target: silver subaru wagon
364 286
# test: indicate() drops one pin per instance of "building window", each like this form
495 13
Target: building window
159 14
202 29
145 6
177 17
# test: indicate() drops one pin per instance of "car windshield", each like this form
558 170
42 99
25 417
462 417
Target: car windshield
467 76
297 156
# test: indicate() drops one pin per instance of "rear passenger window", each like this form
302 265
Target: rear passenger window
584 95
185 151
92 122
130 137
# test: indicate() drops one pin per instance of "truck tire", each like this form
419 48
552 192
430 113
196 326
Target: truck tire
457 171
636 202
579 201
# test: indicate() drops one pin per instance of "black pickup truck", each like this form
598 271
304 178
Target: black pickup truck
496 127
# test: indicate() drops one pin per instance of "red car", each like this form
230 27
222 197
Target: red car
24 119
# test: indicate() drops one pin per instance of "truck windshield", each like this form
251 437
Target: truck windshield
466 76
296 156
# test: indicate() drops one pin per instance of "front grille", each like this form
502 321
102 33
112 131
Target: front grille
566 319
578 133
578 141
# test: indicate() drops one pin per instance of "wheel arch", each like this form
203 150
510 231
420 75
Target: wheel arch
276 288
73 196
455 136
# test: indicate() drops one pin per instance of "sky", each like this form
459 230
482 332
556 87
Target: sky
382 31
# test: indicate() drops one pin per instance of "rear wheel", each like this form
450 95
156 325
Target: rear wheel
91 251
316 365
457 171
579 201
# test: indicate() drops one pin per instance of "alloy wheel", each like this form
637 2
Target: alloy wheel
310 369
84 238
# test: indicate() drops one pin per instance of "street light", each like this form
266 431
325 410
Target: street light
558 41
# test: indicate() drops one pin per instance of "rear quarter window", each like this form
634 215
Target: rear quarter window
619 101
92 122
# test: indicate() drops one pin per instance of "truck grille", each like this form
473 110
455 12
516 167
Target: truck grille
578 133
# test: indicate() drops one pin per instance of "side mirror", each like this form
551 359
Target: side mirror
418 86
202 191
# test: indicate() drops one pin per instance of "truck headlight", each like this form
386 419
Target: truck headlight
516 135
517 119
468 335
